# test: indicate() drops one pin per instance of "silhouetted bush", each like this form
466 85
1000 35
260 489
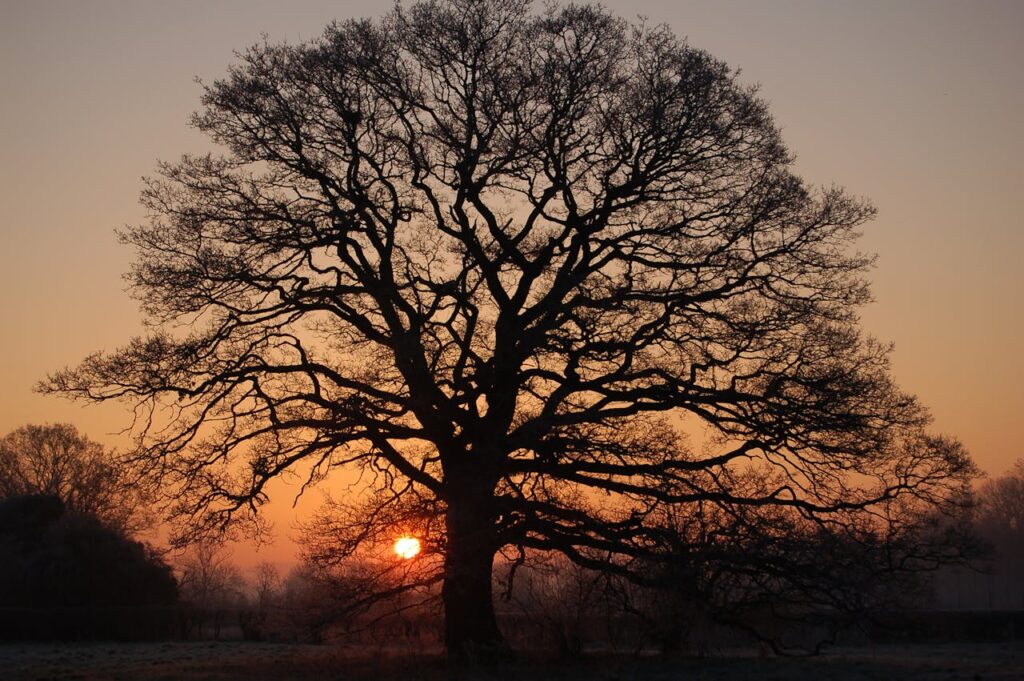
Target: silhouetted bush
66 575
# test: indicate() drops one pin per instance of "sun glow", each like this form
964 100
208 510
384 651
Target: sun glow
407 546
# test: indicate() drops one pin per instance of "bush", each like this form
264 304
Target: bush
67 575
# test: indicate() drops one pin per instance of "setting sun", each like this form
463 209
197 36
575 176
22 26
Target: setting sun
407 546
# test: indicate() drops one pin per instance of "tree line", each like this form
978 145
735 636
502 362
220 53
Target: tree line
68 528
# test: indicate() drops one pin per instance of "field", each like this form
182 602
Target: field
232 661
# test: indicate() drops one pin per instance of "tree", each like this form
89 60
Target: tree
55 459
266 584
1000 513
503 262
999 523
210 583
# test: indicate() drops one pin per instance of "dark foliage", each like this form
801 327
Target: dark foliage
65 574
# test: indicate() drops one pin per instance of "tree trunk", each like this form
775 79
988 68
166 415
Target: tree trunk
471 629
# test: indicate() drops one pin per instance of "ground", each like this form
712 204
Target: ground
224 661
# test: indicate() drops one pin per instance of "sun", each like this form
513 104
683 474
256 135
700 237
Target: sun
407 546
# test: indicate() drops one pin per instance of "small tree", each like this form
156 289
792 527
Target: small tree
1000 512
266 584
501 261
57 460
999 523
211 584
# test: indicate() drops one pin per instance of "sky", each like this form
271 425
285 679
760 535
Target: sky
915 105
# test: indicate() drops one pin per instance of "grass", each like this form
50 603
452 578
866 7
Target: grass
234 661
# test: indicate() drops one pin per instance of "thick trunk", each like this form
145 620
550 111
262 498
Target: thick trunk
471 629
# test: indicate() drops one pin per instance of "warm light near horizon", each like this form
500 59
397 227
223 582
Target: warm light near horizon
407 546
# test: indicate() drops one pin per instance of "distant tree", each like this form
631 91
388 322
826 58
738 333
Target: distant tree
211 583
57 460
308 602
502 262
1000 513
265 591
791 580
999 523
563 602
266 586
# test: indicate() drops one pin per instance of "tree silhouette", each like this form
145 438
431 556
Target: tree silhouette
503 262
999 524
1000 512
57 460
210 583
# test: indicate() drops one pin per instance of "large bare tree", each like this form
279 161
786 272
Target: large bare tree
504 262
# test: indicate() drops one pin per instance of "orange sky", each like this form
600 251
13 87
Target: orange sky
916 105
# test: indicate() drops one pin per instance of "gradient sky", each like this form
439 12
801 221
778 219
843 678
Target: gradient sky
916 105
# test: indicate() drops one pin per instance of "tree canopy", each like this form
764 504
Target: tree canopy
56 460
540 276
